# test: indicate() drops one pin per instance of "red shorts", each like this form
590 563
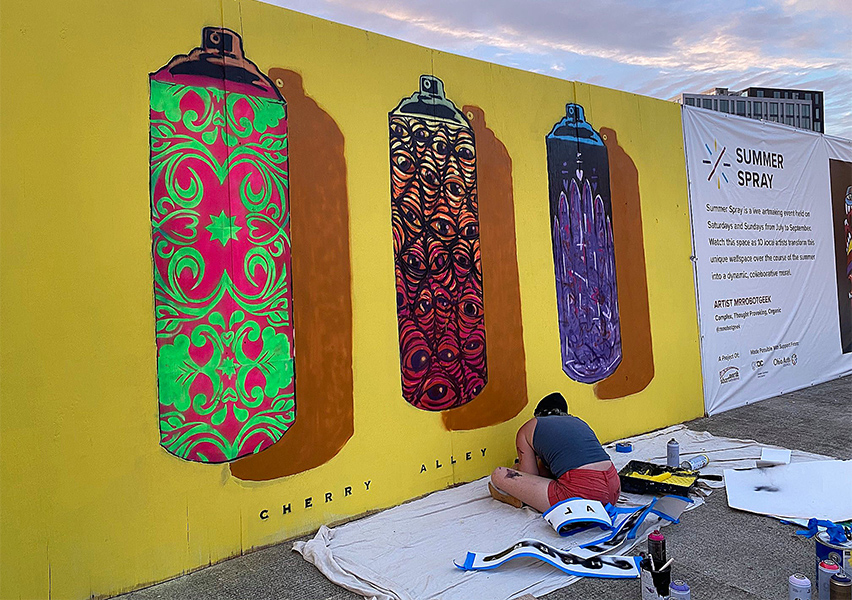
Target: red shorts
604 486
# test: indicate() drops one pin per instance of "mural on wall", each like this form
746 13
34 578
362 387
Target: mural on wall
221 249
435 219
583 249
637 363
840 173
322 281
506 393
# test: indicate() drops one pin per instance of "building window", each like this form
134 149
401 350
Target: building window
759 93
806 122
756 110
689 101
808 96
723 106
789 108
806 110
773 111
816 113
776 94
741 108
707 103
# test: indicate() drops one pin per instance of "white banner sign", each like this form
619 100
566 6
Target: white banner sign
767 251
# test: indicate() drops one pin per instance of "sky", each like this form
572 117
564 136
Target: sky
658 48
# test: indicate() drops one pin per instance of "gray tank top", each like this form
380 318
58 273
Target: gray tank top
566 442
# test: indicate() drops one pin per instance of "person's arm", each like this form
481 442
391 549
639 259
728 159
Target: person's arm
527 462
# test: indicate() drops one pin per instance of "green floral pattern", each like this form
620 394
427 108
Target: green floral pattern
221 248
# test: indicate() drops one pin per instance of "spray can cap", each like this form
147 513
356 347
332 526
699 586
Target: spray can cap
431 102
829 565
219 58
574 127
656 536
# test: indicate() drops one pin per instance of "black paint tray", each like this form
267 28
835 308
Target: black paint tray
639 485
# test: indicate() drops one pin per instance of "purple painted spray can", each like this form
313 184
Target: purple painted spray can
799 587
583 249
679 590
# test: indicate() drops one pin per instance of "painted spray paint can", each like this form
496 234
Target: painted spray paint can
825 570
840 588
679 590
696 462
799 587
435 219
220 228
583 248
673 453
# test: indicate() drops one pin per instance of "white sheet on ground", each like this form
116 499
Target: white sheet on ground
407 552
819 489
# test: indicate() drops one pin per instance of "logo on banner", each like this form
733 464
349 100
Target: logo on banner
729 374
718 163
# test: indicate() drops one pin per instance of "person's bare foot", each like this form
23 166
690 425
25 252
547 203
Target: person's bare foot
504 497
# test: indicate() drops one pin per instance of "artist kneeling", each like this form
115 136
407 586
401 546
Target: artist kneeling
559 457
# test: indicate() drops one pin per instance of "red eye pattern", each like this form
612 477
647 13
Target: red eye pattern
439 289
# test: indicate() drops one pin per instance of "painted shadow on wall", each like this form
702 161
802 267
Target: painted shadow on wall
506 393
637 365
322 280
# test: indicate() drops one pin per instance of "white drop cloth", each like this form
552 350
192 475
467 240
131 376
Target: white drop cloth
820 489
407 552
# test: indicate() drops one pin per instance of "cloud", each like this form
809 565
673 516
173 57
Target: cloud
655 47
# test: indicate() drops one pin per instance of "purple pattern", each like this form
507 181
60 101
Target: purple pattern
587 299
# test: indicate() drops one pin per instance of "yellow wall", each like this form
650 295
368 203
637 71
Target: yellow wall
91 504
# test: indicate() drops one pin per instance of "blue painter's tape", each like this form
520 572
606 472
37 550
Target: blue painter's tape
468 562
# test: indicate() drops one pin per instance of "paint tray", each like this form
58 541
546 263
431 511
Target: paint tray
647 478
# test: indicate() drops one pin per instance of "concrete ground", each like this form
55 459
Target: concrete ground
722 553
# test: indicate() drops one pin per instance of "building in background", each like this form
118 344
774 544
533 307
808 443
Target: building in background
799 108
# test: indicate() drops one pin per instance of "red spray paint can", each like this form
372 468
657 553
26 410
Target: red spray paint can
435 218
221 250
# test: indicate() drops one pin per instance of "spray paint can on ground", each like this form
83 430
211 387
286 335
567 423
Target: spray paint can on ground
583 248
840 588
673 453
799 587
657 548
679 590
695 463
825 570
